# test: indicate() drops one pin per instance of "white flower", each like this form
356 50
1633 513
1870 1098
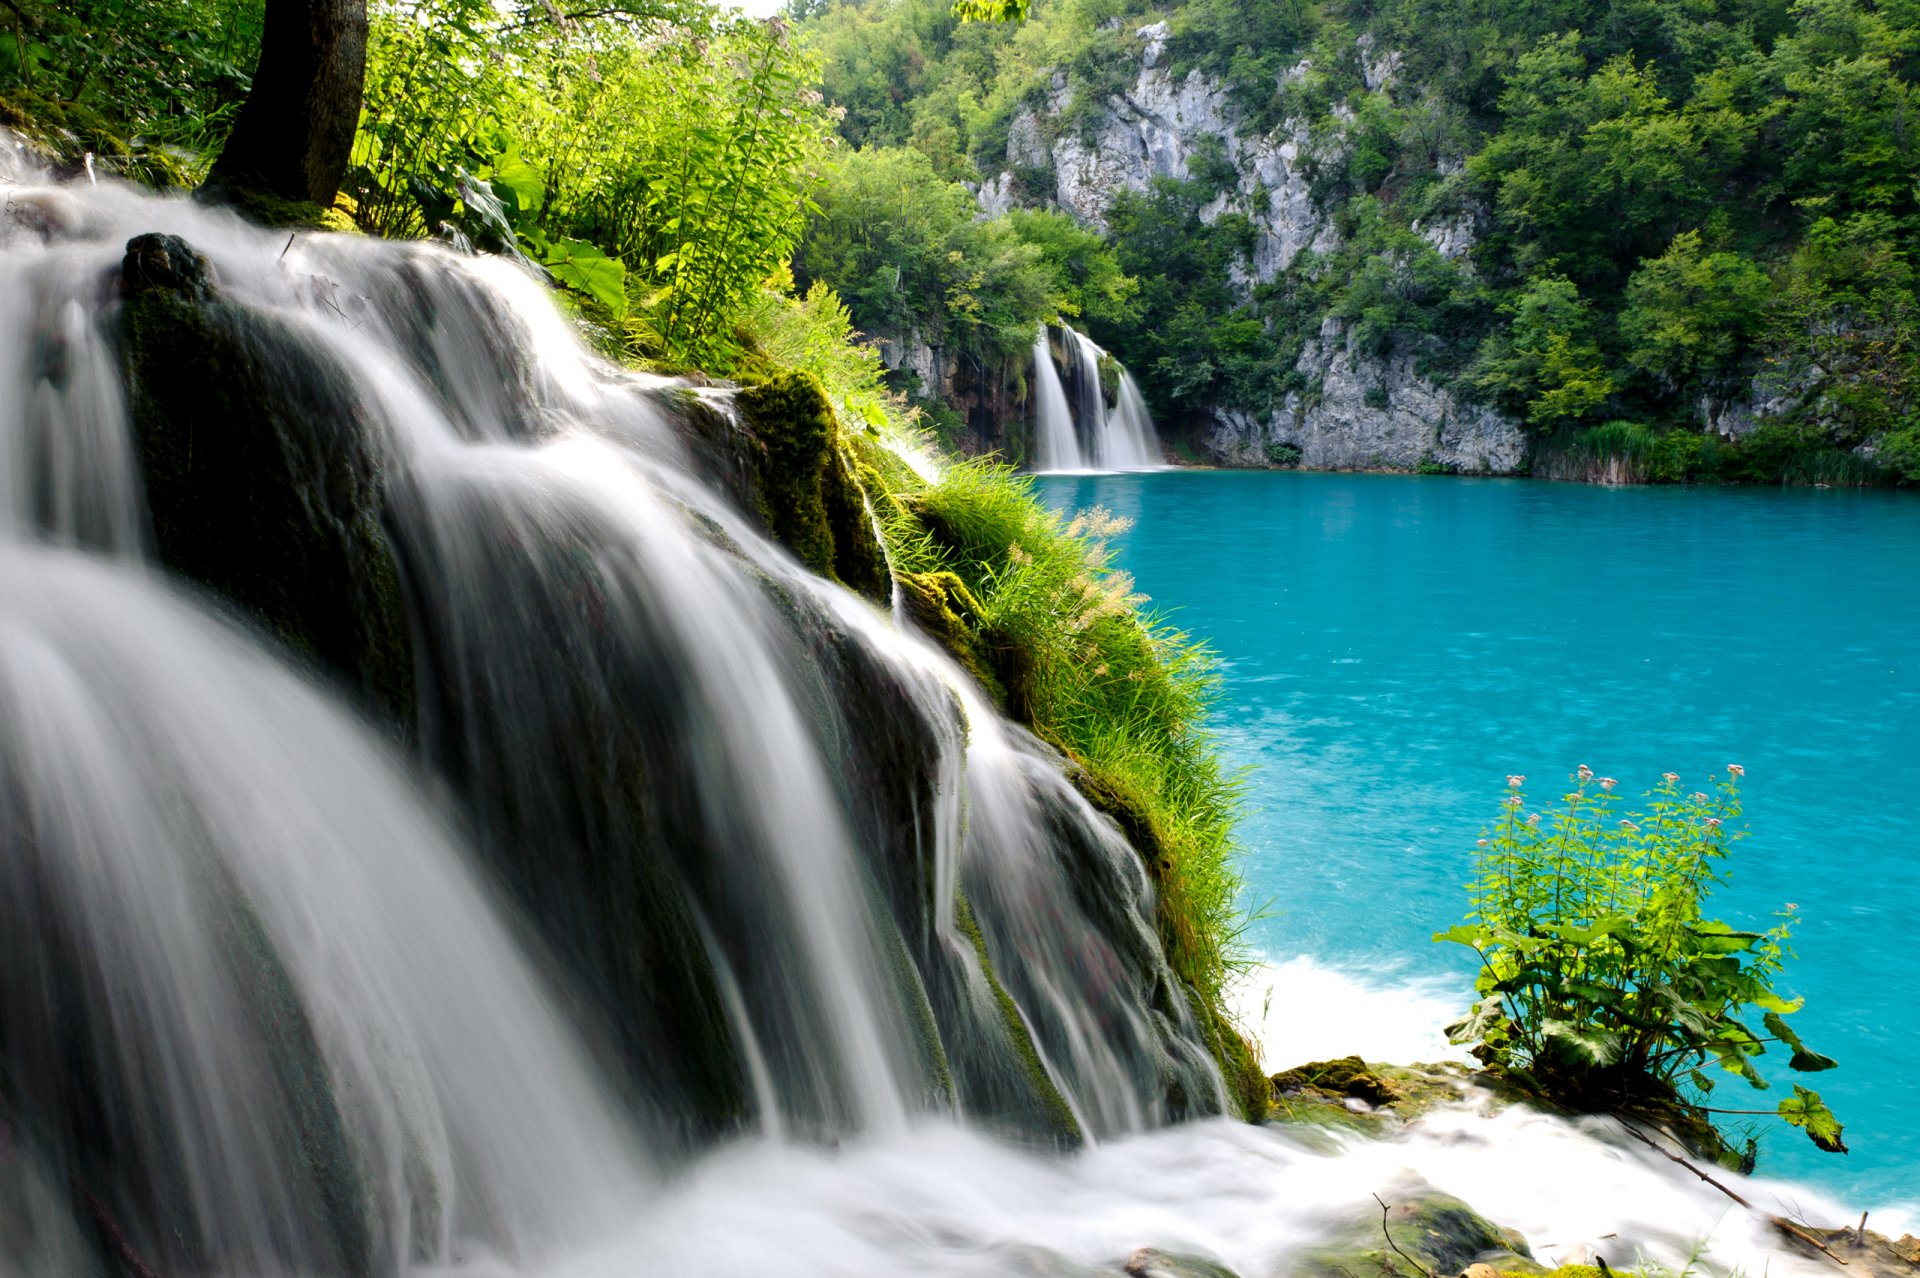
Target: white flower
1586 773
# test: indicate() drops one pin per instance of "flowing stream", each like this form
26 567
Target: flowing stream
662 907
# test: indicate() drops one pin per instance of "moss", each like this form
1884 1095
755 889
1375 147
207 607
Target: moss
808 493
1059 1114
947 612
260 475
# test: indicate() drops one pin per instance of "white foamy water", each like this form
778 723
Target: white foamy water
1299 1010
944 1201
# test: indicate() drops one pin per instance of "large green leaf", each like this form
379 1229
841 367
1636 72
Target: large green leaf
1806 1060
513 175
1805 1110
580 265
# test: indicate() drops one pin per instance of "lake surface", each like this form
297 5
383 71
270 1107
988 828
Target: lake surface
1394 646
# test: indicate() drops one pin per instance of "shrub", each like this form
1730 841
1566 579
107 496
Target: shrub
1603 984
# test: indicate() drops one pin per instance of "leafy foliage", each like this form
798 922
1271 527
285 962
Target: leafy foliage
660 160
149 87
906 250
1602 980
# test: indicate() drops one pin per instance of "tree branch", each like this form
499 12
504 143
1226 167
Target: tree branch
1417 1266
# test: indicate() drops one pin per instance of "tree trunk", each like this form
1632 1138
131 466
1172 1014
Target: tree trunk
295 131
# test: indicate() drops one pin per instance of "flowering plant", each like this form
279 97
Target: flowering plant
1602 983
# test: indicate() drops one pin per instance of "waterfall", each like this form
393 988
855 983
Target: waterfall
1082 432
1056 441
442 834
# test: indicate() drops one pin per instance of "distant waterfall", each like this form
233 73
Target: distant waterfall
1078 430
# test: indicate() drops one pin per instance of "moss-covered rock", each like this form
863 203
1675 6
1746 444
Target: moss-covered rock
1349 1095
1150 1262
1349 1076
1054 1113
808 493
947 613
261 474
1422 1231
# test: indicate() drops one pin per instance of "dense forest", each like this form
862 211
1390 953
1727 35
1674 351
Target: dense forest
1679 220
1636 229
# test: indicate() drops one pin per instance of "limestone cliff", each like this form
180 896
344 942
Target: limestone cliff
1359 407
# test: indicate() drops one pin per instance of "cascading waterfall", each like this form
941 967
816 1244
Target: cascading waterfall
541 872
1080 431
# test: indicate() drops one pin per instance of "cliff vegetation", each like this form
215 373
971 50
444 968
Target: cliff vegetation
1653 242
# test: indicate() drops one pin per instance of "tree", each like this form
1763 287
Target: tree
295 132
1690 313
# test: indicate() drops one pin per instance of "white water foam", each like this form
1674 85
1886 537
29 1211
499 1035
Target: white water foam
1299 1009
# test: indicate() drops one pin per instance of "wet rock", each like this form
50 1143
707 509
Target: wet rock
1421 1232
1151 1263
1867 1254
166 264
262 474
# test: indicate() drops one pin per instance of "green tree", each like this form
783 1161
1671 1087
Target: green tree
1545 363
1843 330
1691 314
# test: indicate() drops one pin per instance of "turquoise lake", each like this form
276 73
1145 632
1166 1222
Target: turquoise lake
1393 646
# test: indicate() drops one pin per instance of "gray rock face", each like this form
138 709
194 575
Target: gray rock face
1369 413
1150 130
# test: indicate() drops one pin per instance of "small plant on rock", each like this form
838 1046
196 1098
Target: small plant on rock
1603 984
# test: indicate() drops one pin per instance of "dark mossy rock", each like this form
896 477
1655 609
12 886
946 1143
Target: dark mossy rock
1149 1262
263 479
1422 1232
807 491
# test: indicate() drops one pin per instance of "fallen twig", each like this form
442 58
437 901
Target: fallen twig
1417 1266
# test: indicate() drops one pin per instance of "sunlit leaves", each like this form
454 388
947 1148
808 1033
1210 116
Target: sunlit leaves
582 266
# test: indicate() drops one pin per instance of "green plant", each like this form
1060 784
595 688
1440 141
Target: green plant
1602 982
